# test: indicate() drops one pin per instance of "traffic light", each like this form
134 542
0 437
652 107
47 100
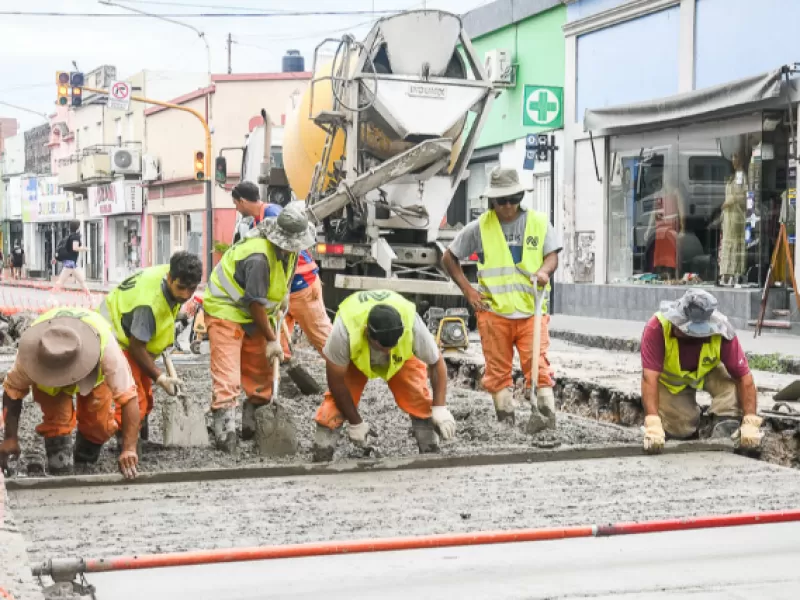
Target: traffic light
199 165
63 87
221 170
76 83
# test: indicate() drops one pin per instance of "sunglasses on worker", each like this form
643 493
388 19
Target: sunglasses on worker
515 199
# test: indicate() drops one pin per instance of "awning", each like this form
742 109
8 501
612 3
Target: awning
752 92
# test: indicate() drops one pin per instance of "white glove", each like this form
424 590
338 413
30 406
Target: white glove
171 385
358 433
749 434
274 350
654 435
443 419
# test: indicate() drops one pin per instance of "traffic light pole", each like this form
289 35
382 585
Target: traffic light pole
207 165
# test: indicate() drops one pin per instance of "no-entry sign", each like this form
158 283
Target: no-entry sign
119 95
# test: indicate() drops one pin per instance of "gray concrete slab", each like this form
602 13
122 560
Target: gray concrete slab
755 562
145 519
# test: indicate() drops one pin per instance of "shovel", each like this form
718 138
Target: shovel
538 422
297 372
184 424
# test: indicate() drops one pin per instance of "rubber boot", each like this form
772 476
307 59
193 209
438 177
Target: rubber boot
59 454
425 434
546 402
86 452
504 405
225 429
325 442
724 427
248 420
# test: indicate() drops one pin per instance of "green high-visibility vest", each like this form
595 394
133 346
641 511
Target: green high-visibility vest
223 296
673 376
508 284
354 312
143 289
96 322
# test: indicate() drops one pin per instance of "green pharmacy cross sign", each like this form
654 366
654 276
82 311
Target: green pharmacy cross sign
543 106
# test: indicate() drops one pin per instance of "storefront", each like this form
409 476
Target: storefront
115 217
46 213
695 188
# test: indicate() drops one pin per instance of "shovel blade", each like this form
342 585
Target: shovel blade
276 434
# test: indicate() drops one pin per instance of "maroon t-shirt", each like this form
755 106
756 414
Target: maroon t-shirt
731 352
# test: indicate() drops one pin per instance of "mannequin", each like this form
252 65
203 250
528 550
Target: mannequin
732 246
669 223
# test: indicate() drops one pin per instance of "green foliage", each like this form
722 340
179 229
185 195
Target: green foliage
776 363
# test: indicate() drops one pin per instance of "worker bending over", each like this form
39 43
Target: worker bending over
142 312
306 306
378 334
68 352
245 294
687 346
517 249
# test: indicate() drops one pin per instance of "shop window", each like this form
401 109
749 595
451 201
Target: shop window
701 204
162 240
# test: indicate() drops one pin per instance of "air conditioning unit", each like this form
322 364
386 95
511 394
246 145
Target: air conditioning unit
151 169
124 161
499 68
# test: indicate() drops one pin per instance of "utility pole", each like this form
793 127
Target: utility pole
230 43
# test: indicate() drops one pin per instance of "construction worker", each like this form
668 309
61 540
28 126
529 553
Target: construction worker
68 352
142 311
246 293
306 305
517 249
378 334
687 346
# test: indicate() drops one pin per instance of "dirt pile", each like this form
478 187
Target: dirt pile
11 329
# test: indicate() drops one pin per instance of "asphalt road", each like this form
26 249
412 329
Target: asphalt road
745 562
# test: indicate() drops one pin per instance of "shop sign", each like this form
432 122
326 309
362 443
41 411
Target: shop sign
117 198
13 207
51 203
543 106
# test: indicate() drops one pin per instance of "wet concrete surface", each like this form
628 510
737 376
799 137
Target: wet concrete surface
756 562
94 522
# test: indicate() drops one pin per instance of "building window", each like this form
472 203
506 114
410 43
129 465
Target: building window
699 204
476 186
194 233
163 242
118 130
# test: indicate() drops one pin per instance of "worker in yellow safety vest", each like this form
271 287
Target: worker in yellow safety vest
377 334
142 311
687 346
246 295
70 352
516 249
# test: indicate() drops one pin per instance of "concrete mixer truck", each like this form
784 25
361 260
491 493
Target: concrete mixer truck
377 147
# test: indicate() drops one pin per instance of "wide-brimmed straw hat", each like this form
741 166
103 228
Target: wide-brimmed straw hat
290 230
61 352
502 183
696 315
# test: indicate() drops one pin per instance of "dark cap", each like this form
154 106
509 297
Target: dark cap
385 325
246 190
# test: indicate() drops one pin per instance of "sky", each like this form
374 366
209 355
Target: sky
33 48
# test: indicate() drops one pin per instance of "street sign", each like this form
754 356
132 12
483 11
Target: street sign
543 106
119 95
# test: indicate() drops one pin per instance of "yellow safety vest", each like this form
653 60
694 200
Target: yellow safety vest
143 289
222 298
673 377
96 322
508 285
354 312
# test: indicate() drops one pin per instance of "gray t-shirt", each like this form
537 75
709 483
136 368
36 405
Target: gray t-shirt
140 323
252 275
468 241
337 348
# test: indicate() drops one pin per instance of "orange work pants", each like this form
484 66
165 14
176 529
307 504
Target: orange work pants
95 414
237 361
409 387
308 310
144 391
499 336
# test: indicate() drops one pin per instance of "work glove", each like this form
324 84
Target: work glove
358 433
274 349
171 385
8 449
653 441
444 421
749 434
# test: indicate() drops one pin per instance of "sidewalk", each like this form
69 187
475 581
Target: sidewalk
614 334
41 284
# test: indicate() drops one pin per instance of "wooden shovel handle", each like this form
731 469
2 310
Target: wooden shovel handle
169 366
